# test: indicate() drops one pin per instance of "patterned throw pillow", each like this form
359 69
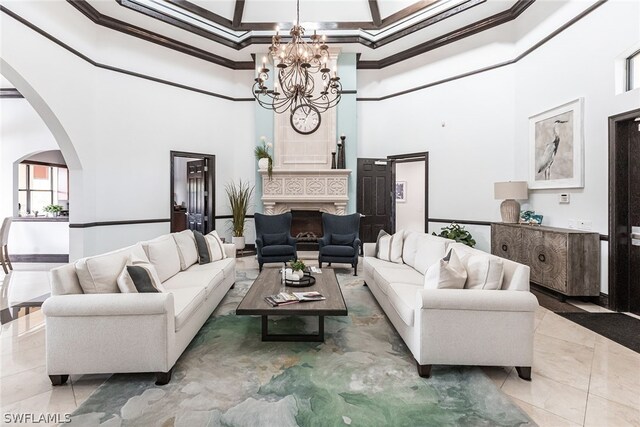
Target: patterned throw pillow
389 247
209 247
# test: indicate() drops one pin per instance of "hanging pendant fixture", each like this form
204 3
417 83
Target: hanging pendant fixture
303 78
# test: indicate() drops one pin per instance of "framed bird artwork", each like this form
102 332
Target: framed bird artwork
556 147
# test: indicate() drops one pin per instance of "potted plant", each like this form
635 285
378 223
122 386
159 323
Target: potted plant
53 210
239 199
298 268
263 156
455 232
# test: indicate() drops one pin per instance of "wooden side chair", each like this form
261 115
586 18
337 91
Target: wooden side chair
4 240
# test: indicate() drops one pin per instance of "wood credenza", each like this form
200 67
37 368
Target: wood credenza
564 260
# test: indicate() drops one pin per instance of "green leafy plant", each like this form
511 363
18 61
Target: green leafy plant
239 200
54 209
455 232
262 152
297 265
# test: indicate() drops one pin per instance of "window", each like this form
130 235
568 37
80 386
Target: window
633 71
40 185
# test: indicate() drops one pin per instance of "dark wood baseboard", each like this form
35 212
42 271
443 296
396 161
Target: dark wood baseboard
58 258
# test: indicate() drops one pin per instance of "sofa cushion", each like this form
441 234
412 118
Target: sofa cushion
275 239
163 254
343 239
227 265
483 271
187 250
277 250
410 247
447 273
370 264
207 279
210 247
389 247
402 297
385 275
140 276
338 251
99 274
431 249
186 302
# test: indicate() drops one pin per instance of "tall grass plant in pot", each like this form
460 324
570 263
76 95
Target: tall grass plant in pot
239 196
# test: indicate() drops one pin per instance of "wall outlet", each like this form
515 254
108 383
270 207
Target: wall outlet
584 224
573 223
564 199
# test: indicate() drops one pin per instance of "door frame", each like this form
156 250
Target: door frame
210 163
619 241
406 158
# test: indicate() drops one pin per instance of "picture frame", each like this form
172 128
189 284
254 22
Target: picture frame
556 147
401 191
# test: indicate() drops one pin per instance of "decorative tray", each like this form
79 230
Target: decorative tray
307 280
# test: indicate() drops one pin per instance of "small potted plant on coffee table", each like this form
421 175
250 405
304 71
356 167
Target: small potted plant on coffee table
298 268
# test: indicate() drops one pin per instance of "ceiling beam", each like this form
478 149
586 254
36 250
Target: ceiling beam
375 13
237 13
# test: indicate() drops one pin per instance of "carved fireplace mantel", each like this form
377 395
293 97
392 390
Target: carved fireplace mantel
322 190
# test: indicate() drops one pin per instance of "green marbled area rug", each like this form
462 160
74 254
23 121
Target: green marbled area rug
362 375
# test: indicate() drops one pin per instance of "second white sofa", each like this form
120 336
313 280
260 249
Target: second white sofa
106 331
454 326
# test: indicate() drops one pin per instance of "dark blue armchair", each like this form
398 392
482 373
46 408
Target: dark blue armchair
341 240
273 238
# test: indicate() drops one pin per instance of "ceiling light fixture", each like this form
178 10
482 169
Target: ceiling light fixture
298 64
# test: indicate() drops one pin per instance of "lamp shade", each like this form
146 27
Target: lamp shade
516 190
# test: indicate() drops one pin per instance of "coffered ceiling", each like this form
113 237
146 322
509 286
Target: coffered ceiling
383 32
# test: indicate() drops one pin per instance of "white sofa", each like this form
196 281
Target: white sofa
454 326
131 332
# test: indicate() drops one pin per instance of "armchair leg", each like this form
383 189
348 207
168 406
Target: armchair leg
260 265
58 379
424 370
163 378
355 270
524 372
319 264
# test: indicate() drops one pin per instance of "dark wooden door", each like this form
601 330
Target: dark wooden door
634 216
196 207
624 212
374 192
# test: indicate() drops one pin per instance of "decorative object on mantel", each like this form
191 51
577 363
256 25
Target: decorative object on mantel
239 200
342 148
265 161
299 64
556 147
333 160
510 192
530 217
457 232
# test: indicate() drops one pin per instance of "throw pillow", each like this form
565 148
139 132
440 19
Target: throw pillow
186 248
163 254
389 247
343 239
448 273
139 277
209 247
98 274
275 239
483 272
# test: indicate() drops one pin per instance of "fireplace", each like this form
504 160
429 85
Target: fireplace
306 226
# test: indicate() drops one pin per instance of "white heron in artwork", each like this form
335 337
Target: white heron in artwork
549 155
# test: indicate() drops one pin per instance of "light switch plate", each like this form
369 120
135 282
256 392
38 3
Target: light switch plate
564 198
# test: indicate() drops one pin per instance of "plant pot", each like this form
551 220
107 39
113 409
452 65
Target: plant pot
239 242
263 163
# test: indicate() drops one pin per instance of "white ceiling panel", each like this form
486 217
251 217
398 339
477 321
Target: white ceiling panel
224 8
389 7
310 11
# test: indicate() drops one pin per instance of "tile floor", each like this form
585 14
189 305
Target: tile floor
579 377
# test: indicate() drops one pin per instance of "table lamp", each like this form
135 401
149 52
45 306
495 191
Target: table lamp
509 192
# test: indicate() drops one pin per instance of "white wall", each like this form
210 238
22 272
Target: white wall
410 214
123 128
476 128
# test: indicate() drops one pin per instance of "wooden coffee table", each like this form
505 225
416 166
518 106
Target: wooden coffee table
269 283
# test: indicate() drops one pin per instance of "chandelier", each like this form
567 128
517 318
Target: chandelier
298 64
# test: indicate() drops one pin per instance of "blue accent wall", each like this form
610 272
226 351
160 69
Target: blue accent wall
264 127
347 121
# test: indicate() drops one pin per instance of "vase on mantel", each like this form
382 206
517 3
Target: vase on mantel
341 152
263 163
333 160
